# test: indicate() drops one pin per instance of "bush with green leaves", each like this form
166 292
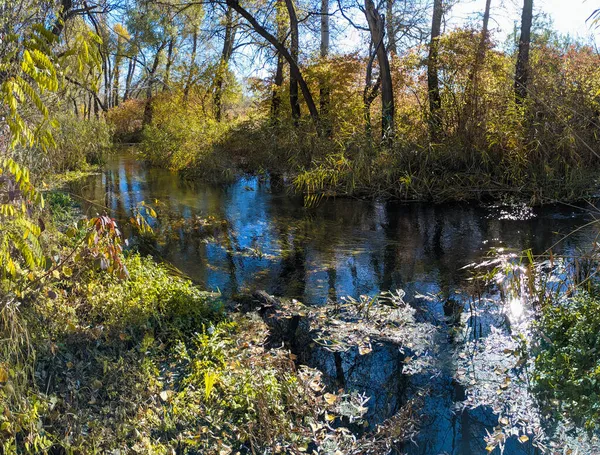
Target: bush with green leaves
567 368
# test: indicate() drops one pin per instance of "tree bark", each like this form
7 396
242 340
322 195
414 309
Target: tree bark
377 29
224 63
294 51
314 113
433 84
522 70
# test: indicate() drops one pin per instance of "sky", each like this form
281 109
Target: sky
568 16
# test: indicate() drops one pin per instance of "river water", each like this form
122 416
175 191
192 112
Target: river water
252 234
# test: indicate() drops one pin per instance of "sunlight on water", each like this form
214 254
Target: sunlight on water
516 307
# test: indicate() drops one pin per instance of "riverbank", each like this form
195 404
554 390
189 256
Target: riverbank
516 160
152 364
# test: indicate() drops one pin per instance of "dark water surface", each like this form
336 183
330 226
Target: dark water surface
259 237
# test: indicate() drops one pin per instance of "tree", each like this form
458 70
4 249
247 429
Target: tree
433 84
522 70
222 69
122 37
377 29
294 68
471 91
391 32
281 25
294 51
324 95
192 20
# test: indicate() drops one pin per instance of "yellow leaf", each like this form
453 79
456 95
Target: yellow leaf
330 398
524 439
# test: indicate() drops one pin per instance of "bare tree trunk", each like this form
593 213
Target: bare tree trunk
224 63
278 81
391 32
294 69
106 67
472 89
190 76
325 95
169 64
89 108
148 108
370 92
276 96
128 79
294 51
522 70
433 84
377 29
117 71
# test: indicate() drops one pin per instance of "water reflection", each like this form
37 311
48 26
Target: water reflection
344 247
268 240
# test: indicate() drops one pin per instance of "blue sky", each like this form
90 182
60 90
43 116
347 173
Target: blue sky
568 16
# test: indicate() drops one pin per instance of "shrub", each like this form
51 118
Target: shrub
567 368
126 120
79 143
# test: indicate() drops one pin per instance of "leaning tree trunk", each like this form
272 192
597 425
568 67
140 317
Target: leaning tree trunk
522 70
377 29
294 51
224 63
433 83
294 69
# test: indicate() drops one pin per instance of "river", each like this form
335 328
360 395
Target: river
252 234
